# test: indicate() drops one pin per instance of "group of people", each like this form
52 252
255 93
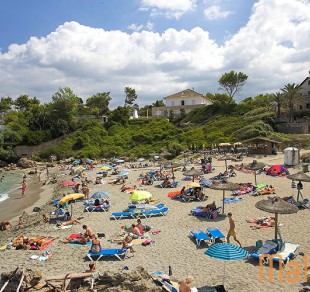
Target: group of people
195 193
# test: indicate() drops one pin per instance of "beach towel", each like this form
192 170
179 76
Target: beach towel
232 200
62 227
78 244
47 244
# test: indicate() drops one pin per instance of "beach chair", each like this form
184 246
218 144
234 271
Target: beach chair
213 214
93 208
161 205
215 233
117 252
162 211
285 254
199 235
174 184
120 215
269 247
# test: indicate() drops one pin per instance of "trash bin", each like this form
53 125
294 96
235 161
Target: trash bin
305 167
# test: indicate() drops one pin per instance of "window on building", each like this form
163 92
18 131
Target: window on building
300 107
193 101
308 105
182 102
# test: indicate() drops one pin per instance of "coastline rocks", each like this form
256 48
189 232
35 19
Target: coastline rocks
11 166
26 163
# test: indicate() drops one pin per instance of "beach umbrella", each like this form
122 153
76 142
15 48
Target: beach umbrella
225 158
172 166
68 183
79 169
193 172
255 166
105 167
276 206
193 184
100 195
224 186
140 195
70 197
299 176
226 252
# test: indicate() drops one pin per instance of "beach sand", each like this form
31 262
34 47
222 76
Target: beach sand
172 245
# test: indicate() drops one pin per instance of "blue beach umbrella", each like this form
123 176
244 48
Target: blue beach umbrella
100 195
226 252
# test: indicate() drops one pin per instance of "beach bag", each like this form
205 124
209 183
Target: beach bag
147 228
100 234
36 209
147 242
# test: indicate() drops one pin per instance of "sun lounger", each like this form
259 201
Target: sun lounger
285 254
120 215
269 247
215 233
162 211
117 252
199 235
98 208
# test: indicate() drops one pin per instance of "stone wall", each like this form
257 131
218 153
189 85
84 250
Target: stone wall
293 128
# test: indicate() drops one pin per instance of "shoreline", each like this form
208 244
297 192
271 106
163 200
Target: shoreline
36 195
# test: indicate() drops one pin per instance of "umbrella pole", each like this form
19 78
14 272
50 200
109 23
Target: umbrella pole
276 226
224 273
193 178
226 164
223 201
71 209
255 177
298 193
172 174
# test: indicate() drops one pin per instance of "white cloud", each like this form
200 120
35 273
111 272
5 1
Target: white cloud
135 27
215 12
168 8
90 60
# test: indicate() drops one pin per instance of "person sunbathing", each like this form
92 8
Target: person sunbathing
265 224
19 240
88 232
5 225
95 245
135 231
45 218
92 267
127 242
83 239
140 226
209 208
70 222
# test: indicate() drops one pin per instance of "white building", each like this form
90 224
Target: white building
185 101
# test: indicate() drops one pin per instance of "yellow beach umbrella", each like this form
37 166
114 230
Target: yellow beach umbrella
193 184
70 197
105 167
140 195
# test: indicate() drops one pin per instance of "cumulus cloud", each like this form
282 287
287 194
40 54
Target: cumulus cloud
215 12
135 27
170 9
90 60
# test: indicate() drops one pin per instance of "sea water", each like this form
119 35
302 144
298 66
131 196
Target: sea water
8 182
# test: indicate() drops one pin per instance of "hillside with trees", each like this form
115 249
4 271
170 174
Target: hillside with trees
28 122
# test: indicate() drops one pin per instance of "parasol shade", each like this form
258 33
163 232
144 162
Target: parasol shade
226 252
224 186
192 172
140 195
70 197
255 166
193 184
277 206
300 176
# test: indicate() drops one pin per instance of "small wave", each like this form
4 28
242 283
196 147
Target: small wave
3 197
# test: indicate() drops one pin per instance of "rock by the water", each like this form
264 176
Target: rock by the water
26 163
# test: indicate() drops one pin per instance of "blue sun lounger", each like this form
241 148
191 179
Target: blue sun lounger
215 233
120 215
117 252
154 212
199 235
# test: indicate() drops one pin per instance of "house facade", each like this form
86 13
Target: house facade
304 105
183 101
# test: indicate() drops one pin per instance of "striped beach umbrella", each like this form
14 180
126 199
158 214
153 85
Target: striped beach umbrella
226 252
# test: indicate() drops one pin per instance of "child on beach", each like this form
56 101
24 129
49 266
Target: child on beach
20 222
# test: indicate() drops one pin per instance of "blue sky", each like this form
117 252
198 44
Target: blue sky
104 45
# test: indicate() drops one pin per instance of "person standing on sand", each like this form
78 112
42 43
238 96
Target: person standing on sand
24 186
232 231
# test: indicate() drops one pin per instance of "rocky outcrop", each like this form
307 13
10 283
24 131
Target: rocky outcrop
26 163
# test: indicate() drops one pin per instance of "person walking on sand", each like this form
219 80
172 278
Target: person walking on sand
232 231
24 188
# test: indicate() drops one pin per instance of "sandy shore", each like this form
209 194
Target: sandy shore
172 245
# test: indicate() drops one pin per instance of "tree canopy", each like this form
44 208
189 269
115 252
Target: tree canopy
232 82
